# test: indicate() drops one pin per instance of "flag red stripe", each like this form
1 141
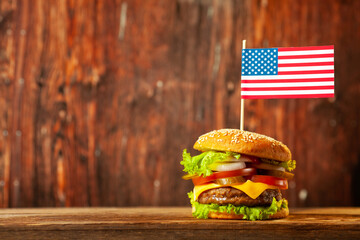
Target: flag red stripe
310 64
306 56
306 72
287 88
288 96
288 80
304 48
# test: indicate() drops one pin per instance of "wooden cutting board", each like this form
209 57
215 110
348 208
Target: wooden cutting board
173 223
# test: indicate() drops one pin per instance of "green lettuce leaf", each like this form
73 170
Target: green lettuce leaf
289 165
250 213
200 164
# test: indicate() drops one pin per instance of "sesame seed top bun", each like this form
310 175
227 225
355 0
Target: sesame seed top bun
249 143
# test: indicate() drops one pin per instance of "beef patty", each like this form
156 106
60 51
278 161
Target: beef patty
229 195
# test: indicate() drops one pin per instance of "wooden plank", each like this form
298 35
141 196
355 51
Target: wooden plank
171 222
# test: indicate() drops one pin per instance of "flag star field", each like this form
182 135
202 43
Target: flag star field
259 62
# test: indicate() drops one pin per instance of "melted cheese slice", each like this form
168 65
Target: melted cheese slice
252 189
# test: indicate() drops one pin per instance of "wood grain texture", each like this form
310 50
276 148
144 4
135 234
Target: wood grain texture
173 223
98 98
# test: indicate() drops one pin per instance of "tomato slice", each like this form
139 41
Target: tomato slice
270 180
224 174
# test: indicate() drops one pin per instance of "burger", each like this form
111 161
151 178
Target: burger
238 175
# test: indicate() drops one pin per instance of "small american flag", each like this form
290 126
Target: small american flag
296 72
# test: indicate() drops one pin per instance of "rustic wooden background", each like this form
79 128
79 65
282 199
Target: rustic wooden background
98 98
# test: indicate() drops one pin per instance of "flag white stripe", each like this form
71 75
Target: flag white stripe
305 52
286 69
295 84
297 76
286 92
306 60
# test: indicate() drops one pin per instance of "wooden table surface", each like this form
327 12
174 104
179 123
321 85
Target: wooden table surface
173 223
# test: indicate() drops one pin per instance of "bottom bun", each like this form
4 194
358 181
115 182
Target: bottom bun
283 213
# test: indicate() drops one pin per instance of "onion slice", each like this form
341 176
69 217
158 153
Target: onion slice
227 166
